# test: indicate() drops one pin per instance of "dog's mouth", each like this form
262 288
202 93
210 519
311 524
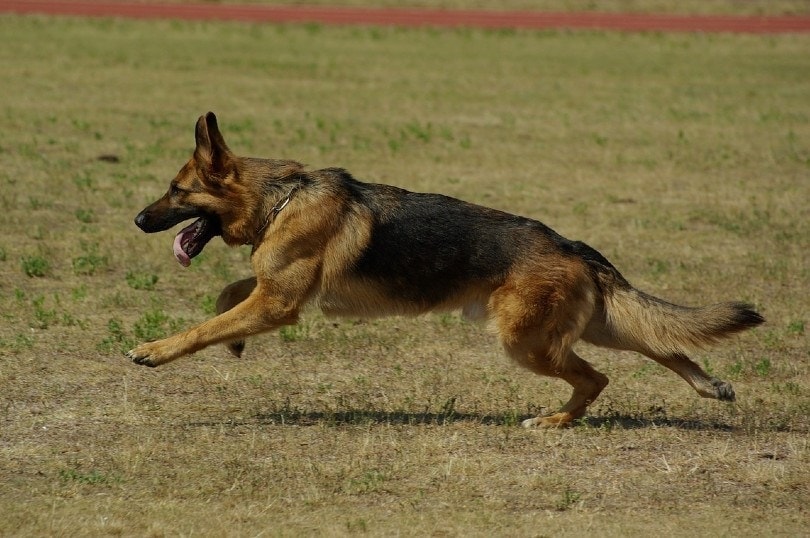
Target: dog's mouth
191 240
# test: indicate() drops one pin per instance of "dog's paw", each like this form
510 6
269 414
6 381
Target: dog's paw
152 354
236 348
556 420
723 390
141 356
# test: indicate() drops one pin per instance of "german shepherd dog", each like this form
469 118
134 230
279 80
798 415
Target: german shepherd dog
350 248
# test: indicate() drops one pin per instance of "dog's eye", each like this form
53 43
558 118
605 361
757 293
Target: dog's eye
175 190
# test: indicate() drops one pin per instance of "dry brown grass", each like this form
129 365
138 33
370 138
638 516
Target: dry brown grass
683 158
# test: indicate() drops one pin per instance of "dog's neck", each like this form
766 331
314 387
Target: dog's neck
280 204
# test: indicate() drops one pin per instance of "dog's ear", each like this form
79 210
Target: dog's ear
212 154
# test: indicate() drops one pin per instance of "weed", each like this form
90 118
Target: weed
209 305
141 280
580 208
736 369
256 380
510 418
84 182
658 267
44 317
92 478
79 293
600 140
448 411
86 216
789 389
35 203
223 270
360 143
762 367
3 254
361 380
423 133
772 340
38 233
80 125
294 333
446 134
117 339
368 482
245 125
324 388
20 342
447 319
357 525
35 266
115 300
568 500
796 327
153 325
581 422
69 320
90 262
312 28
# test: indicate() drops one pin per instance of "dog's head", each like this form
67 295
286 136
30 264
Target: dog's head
204 190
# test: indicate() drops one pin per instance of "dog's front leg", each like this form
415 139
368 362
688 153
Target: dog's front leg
232 295
254 315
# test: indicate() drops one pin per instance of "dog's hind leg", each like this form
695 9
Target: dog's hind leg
538 322
232 295
704 384
707 386
587 382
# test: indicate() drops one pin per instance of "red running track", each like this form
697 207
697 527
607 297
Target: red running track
415 17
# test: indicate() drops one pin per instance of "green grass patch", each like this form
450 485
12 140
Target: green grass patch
155 324
91 261
35 266
139 280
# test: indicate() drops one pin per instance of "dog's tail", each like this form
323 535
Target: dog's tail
637 321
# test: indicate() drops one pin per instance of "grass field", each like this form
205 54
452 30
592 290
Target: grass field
685 159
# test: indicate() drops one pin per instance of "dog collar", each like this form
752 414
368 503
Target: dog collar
281 204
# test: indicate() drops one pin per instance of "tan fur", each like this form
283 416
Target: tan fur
649 326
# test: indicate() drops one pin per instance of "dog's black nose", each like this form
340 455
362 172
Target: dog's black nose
140 220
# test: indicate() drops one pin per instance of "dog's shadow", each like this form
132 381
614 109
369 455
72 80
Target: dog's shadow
402 418
628 422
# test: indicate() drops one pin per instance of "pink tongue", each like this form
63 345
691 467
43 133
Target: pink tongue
179 253
177 247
